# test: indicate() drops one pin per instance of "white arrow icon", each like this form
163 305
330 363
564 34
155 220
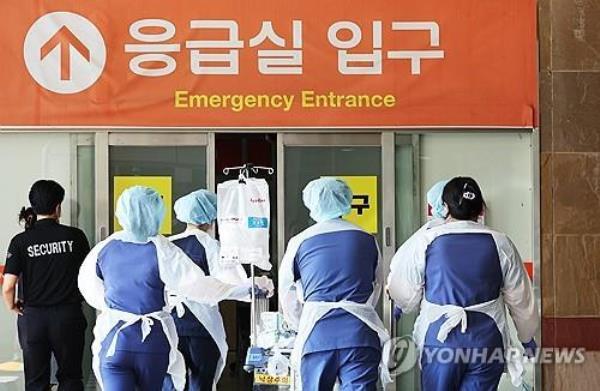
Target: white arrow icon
64 52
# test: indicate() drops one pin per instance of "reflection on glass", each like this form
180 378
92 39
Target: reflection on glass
185 165
303 164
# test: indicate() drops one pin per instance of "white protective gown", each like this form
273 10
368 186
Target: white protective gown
207 314
303 315
179 275
406 284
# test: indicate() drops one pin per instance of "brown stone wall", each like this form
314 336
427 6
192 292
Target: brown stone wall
569 33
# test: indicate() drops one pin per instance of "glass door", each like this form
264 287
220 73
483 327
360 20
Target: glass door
174 164
364 161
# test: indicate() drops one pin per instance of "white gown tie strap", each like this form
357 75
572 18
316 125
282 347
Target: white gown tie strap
455 315
210 318
147 321
312 312
176 302
180 309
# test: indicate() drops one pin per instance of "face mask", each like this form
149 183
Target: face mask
445 212
439 211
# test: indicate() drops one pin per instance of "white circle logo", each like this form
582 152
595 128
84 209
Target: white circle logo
64 52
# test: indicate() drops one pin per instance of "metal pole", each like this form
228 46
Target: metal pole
252 309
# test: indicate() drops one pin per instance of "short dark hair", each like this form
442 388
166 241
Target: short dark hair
464 198
45 196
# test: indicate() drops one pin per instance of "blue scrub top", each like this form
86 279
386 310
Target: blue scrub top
463 270
132 284
189 325
336 266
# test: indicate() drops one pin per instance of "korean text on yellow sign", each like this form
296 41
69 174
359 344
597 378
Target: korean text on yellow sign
162 184
364 202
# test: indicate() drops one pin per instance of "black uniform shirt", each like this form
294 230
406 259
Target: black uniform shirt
47 257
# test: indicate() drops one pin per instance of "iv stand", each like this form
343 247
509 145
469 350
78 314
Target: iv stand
244 173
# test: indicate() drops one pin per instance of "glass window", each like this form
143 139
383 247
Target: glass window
185 165
303 164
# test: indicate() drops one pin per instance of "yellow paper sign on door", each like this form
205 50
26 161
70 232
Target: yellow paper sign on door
162 184
364 202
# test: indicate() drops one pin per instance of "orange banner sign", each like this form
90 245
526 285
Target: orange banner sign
312 63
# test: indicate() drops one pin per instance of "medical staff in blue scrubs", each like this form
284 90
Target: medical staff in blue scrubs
202 339
126 278
462 273
438 213
329 284
436 204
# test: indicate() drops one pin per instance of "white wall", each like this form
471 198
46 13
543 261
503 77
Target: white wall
25 158
501 164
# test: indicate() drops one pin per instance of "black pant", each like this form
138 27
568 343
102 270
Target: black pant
58 330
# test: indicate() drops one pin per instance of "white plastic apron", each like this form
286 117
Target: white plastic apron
456 315
313 311
108 319
210 317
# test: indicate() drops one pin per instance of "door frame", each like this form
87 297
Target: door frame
165 138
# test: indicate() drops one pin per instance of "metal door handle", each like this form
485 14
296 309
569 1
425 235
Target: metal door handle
102 233
388 237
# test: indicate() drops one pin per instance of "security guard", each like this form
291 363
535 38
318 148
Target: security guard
45 259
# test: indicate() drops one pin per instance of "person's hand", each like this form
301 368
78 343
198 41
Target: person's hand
265 286
17 308
530 348
397 313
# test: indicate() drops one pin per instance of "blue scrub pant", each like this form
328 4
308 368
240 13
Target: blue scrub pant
437 374
128 371
201 355
356 368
